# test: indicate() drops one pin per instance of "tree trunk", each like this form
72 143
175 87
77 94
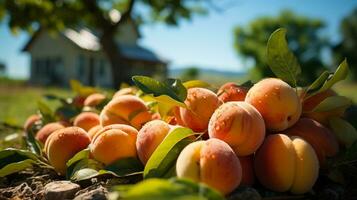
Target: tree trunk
120 70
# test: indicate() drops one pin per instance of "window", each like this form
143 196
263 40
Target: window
101 70
81 66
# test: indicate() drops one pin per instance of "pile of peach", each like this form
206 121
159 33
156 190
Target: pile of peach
249 133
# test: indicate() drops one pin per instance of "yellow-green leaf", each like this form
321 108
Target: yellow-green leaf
344 131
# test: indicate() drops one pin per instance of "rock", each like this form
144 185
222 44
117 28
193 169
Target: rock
61 190
100 193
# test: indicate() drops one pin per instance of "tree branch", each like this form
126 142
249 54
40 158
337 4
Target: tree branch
126 15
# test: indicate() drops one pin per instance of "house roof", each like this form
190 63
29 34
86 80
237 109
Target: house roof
86 40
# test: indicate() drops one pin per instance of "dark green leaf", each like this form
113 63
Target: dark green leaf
46 112
163 159
333 103
281 60
32 144
172 87
317 84
14 160
344 131
125 167
167 189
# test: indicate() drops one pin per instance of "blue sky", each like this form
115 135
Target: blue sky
205 41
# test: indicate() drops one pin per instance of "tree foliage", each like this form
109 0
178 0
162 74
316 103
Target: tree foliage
304 40
347 47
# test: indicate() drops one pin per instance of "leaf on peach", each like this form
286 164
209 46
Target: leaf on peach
333 103
344 131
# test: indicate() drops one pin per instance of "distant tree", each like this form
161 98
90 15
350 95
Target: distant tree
347 48
30 15
2 69
190 73
303 37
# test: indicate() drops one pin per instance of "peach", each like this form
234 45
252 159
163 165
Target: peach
201 103
93 131
31 120
47 130
277 102
321 139
125 91
248 175
232 92
286 164
125 109
114 142
149 138
86 120
212 162
240 125
94 99
310 103
63 144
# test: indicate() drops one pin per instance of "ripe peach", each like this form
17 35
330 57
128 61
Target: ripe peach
313 101
30 121
125 109
321 139
286 164
86 120
149 138
63 144
277 102
201 103
240 125
47 130
248 175
114 142
212 162
94 99
232 92
125 91
93 131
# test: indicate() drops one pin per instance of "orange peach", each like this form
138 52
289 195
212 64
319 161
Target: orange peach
286 164
114 142
277 102
86 120
212 162
321 139
94 99
125 109
47 130
240 125
201 103
248 175
93 131
232 92
125 91
149 138
63 144
30 121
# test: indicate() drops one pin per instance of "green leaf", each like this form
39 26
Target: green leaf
32 144
344 131
47 115
81 90
196 83
125 167
333 103
281 60
16 167
153 189
318 83
164 157
339 75
172 88
14 160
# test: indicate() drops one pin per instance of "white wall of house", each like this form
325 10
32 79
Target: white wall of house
67 61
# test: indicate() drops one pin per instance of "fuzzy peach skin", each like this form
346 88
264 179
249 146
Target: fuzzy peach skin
212 162
47 130
94 99
93 131
321 139
240 125
125 109
248 174
201 103
30 121
149 138
231 92
125 91
286 164
86 120
277 102
63 144
114 142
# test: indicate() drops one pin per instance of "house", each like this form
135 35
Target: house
77 54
